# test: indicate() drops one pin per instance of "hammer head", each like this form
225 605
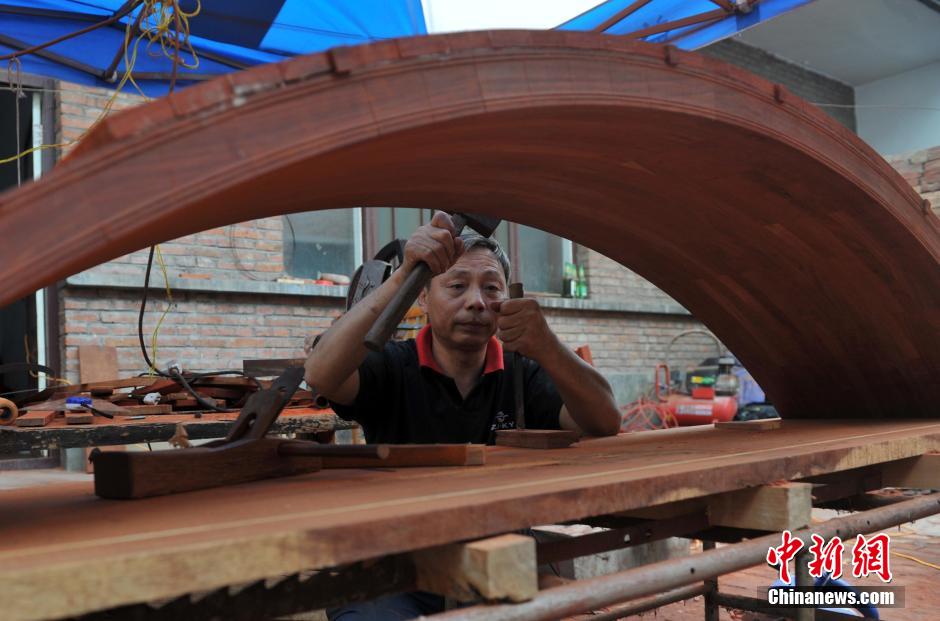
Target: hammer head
484 225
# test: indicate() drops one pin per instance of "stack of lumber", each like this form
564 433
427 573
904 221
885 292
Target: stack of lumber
121 398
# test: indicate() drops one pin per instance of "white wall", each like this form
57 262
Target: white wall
901 113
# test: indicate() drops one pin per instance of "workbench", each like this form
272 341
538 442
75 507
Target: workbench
64 552
158 428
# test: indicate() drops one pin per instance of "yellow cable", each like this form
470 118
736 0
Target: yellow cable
169 303
168 13
916 560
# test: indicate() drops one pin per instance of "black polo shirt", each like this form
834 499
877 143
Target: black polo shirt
405 398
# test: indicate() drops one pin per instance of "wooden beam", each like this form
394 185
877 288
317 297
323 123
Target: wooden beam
620 15
416 455
708 16
35 418
916 472
537 438
786 506
498 568
765 424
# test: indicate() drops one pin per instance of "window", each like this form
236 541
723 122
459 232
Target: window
336 241
323 241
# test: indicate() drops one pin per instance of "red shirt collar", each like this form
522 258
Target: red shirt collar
494 353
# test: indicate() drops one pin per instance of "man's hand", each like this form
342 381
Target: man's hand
521 326
435 243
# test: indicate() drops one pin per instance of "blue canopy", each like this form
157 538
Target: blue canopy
228 35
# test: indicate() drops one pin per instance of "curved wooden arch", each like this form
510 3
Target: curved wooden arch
791 239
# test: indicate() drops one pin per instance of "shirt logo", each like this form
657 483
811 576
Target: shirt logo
503 421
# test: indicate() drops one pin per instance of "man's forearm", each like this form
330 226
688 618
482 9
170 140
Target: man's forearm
340 350
586 394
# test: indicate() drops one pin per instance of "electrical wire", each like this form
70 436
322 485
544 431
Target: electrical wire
155 19
177 376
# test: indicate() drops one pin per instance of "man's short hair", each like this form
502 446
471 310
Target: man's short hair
474 240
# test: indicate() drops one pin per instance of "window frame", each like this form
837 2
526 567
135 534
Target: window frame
370 245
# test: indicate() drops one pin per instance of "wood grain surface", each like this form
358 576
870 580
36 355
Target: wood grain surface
166 546
794 241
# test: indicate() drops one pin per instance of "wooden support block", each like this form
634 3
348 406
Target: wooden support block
498 568
79 418
786 506
916 472
764 424
536 438
416 455
36 418
147 410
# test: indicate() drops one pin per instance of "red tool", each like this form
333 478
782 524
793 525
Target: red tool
710 401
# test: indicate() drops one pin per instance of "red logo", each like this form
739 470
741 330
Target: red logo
872 556
826 558
782 554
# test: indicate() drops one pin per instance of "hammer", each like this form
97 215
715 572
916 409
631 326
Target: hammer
420 276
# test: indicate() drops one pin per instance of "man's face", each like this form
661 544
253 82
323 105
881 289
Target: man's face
458 301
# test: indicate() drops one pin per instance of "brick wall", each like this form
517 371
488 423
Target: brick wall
80 106
202 331
922 170
249 250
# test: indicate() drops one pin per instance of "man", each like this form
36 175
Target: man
449 384
452 383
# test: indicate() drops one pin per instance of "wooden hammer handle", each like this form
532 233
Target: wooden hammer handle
388 320
518 373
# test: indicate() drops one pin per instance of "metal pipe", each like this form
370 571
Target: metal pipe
711 588
645 604
753 604
595 593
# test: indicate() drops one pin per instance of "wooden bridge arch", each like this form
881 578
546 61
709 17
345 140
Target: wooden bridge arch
800 247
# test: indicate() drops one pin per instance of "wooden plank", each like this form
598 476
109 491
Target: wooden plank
146 410
536 438
498 568
124 475
36 418
765 424
919 472
270 367
97 363
417 455
146 549
79 418
785 506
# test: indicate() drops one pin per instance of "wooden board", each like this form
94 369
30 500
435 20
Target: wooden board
97 363
536 438
159 428
685 151
417 455
165 546
36 418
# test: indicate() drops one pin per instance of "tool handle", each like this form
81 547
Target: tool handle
518 372
388 320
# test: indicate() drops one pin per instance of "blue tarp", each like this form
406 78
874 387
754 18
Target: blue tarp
231 34
226 34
